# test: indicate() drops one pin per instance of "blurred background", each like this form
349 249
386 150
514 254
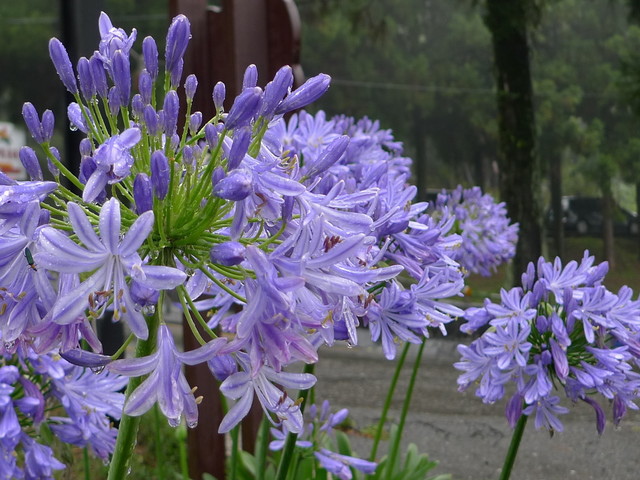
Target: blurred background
425 69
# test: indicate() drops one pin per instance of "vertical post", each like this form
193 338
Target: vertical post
226 39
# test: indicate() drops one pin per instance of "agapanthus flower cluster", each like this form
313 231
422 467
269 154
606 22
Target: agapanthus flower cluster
45 392
283 235
318 437
562 334
488 237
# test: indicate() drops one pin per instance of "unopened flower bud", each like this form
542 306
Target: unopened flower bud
150 55
250 78
227 253
235 186
170 108
160 174
190 86
86 147
151 120
55 171
211 134
114 101
137 105
307 93
85 78
195 120
63 66
244 108
275 90
30 162
76 118
145 86
122 76
219 93
177 40
217 175
241 140
99 76
142 193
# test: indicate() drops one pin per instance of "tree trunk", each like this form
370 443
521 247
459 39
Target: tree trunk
607 225
519 170
555 183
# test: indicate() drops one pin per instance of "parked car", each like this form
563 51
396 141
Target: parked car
583 216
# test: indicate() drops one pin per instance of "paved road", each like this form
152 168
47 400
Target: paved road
467 438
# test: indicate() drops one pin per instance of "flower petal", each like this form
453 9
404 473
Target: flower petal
143 397
237 412
110 225
83 228
137 234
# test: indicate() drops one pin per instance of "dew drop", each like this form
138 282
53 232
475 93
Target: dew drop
9 345
73 128
97 370
349 345
192 424
149 310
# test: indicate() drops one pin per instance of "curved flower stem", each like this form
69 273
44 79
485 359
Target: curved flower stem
290 442
128 429
513 448
405 410
261 448
387 402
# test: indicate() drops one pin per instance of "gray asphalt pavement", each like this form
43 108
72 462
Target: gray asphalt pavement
468 438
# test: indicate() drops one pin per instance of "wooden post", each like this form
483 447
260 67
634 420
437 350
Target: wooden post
225 40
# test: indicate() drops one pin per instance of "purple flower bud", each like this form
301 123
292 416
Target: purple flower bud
48 122
619 409
87 167
122 76
137 105
187 156
227 253
30 162
287 209
84 358
560 360
217 175
175 142
222 366
250 78
176 74
177 40
145 86
171 107
55 171
114 101
211 133
32 120
241 140
150 54
76 118
86 147
190 86
45 217
513 409
143 295
244 108
99 76
330 155
63 66
85 78
601 419
219 93
159 174
275 90
235 186
195 120
307 93
151 120
142 193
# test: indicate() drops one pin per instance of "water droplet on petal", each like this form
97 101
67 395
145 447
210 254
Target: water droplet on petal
73 128
149 310
349 345
97 370
192 424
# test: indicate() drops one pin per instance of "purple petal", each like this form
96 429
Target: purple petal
161 278
59 253
134 367
137 234
237 412
143 397
203 353
83 228
110 225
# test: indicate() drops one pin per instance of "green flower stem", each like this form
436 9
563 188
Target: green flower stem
124 346
64 170
290 442
182 289
189 318
395 447
261 448
513 448
158 444
86 463
387 402
128 429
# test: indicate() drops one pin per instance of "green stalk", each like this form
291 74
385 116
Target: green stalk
235 446
387 402
395 447
158 442
261 448
513 448
290 442
86 464
128 429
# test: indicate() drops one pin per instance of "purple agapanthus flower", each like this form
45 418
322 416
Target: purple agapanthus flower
166 383
561 331
110 258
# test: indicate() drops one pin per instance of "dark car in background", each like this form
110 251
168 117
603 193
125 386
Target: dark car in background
583 216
